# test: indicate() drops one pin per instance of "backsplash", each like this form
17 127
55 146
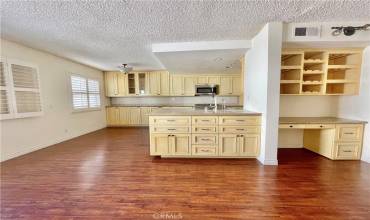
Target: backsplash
173 100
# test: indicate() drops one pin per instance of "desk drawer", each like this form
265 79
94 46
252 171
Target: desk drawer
319 126
349 151
170 120
204 129
204 120
240 120
292 126
240 129
209 139
161 129
204 150
350 132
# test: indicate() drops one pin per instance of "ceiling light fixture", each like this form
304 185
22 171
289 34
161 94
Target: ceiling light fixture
349 30
125 68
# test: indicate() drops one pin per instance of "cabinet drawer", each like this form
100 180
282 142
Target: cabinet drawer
349 132
319 126
347 150
173 120
240 129
204 129
161 129
204 120
204 150
209 139
240 120
292 126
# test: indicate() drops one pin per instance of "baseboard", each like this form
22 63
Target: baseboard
268 162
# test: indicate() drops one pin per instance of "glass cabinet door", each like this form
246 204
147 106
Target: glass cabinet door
131 84
142 83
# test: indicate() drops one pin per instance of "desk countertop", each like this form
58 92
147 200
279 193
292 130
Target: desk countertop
318 120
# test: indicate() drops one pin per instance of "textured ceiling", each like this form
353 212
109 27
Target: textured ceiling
104 34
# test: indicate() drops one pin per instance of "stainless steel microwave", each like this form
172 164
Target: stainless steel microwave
206 89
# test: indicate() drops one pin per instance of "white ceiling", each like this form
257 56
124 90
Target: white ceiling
105 34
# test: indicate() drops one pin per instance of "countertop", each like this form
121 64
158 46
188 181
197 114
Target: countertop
190 112
318 120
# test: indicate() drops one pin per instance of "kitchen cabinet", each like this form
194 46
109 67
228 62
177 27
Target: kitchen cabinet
248 144
170 144
112 116
144 117
159 83
228 145
115 84
137 84
135 116
189 85
180 144
177 85
159 144
230 85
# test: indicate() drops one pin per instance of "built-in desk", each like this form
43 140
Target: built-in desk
334 138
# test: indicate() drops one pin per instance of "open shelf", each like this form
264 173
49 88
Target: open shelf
314 56
290 67
343 74
344 58
291 59
291 74
341 88
289 81
312 77
290 89
313 67
311 89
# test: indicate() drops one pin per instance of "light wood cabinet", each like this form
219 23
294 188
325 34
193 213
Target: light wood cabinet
128 116
177 85
115 84
198 136
144 117
189 85
170 144
313 71
230 85
112 116
154 83
159 144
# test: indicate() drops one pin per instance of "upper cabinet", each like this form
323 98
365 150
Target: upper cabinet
162 83
320 72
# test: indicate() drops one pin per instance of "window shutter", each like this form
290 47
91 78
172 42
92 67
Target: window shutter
4 91
26 89
79 92
94 93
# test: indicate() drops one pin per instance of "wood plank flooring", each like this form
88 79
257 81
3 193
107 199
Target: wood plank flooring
109 174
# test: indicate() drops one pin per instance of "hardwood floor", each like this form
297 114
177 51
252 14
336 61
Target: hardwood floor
109 174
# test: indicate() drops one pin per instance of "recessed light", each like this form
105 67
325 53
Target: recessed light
218 59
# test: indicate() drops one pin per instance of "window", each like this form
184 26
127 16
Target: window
19 90
85 93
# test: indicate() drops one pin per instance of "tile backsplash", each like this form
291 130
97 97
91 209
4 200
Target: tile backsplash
191 100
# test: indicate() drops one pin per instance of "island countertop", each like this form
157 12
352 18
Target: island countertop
190 112
318 120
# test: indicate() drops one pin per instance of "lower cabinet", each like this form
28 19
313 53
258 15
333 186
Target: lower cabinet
170 144
198 136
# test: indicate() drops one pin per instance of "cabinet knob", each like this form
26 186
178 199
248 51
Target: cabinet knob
290 126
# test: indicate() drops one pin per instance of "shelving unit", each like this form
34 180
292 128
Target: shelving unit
320 71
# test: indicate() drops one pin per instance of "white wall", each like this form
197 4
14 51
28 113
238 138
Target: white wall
358 107
262 85
21 136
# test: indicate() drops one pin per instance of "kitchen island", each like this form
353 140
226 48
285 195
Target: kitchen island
205 134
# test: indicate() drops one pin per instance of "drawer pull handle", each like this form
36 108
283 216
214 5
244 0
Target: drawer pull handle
240 129
170 120
349 133
240 120
290 126
321 126
171 129
206 120
205 129
204 150
205 139
347 151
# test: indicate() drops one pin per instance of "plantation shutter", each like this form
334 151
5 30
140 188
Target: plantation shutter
4 91
26 89
93 93
79 92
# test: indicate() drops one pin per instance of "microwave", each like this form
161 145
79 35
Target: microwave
206 89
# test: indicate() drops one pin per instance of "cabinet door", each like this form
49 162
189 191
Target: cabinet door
228 144
131 84
177 83
111 84
112 116
236 85
144 111
226 87
249 145
121 84
124 116
165 83
202 80
159 144
189 85
180 144
214 80
154 83
142 84
134 116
